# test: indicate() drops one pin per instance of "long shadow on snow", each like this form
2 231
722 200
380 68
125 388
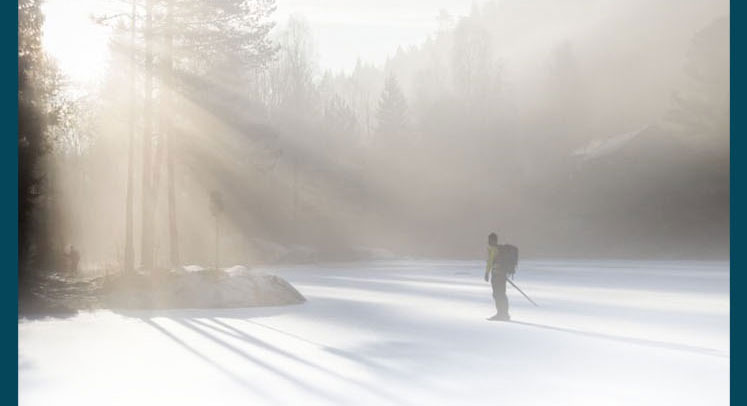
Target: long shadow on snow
236 378
377 319
186 323
686 277
239 334
192 323
308 388
440 291
351 356
246 315
374 321
630 340
709 284
622 312
685 284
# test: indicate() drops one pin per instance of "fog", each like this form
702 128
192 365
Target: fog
585 129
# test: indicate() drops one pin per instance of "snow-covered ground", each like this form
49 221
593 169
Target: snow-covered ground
411 333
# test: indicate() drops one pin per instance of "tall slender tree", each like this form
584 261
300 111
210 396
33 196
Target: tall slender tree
392 110
168 131
209 46
147 229
129 252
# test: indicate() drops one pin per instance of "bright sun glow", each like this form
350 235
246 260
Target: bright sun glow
74 40
369 30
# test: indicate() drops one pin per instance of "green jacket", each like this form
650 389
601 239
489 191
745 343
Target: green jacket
492 256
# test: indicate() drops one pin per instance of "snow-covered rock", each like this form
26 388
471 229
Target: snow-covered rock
195 287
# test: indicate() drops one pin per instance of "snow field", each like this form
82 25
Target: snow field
409 333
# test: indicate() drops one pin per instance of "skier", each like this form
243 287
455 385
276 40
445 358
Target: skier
501 263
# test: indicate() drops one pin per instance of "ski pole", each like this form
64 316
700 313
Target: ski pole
521 291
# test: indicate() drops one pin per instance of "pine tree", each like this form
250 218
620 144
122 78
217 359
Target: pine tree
31 124
392 110
39 110
199 50
700 110
148 192
339 118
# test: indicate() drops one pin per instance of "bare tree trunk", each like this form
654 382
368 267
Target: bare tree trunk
147 201
168 131
129 252
155 185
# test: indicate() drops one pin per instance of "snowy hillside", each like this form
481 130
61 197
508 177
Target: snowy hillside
411 333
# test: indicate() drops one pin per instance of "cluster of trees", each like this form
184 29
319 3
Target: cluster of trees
40 109
448 140
165 54
464 133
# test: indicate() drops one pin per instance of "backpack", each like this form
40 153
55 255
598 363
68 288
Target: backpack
507 258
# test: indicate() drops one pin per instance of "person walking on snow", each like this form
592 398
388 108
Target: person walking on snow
501 263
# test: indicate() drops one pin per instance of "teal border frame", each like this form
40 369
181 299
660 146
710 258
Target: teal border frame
9 202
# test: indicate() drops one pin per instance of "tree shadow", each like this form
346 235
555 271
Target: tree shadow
234 377
337 351
239 334
270 368
208 331
469 291
630 340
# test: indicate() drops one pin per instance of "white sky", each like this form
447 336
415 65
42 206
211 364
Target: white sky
371 29
344 30
79 45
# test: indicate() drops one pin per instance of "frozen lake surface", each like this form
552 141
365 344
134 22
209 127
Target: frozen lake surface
409 333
